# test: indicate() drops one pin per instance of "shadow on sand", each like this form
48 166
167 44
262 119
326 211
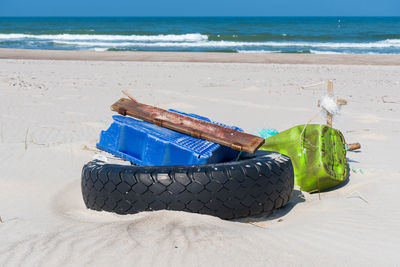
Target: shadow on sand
296 198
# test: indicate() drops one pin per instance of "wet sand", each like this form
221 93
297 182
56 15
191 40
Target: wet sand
268 58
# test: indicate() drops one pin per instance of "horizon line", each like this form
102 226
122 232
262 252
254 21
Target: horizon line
194 16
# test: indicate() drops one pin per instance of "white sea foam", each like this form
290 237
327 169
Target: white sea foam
99 49
163 44
326 52
189 37
233 44
190 40
392 41
258 51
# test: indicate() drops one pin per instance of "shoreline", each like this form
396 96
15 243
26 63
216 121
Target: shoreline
209 57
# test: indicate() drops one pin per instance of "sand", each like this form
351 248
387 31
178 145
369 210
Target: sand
269 58
51 109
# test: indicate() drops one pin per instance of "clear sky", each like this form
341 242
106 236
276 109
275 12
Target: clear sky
200 8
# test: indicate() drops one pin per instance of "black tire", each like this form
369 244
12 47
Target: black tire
253 185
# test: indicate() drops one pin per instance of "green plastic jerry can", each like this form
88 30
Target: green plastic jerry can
317 153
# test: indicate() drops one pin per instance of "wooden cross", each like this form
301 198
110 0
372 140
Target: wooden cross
329 117
339 102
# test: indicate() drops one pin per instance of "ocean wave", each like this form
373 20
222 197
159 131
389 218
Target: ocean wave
258 51
99 49
188 37
326 52
193 41
395 43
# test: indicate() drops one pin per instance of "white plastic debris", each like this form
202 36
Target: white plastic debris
329 104
100 157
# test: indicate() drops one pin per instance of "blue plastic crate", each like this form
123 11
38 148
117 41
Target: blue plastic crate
146 144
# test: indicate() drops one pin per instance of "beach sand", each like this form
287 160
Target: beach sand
50 109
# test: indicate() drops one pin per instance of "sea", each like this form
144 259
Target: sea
309 35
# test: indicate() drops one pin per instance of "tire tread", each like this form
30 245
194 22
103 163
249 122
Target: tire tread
227 190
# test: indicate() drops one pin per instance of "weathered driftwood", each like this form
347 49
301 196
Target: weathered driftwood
188 125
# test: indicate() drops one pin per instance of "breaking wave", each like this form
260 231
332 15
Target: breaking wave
191 42
189 37
231 44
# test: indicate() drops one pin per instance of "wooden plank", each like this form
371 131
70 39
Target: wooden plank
188 125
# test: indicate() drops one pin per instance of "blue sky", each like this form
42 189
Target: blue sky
200 8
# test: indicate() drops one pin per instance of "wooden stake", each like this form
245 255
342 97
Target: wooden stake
354 146
341 102
329 118
129 95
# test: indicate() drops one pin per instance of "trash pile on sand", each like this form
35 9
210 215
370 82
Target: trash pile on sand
186 162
